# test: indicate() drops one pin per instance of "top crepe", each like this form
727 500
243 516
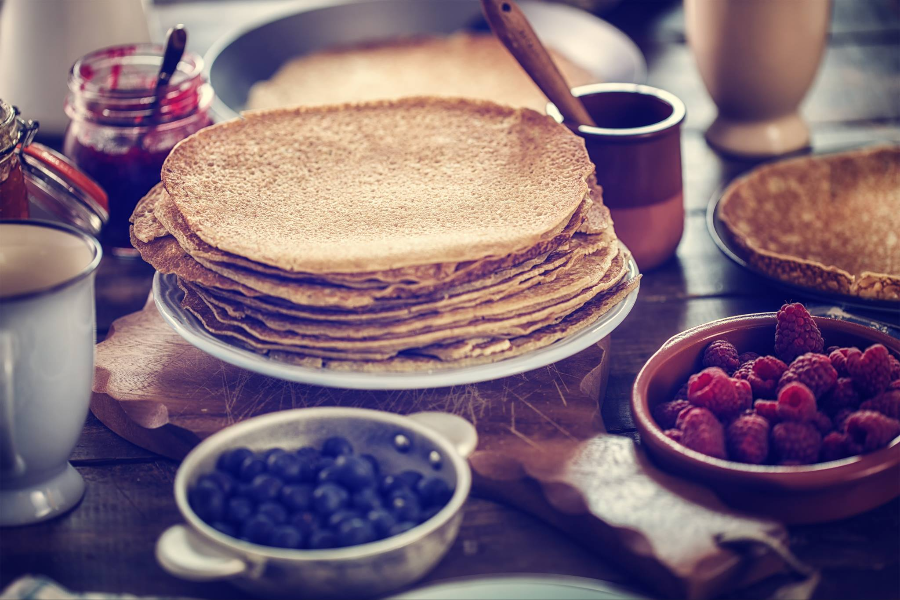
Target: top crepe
380 185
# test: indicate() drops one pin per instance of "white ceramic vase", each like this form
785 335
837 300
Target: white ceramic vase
758 59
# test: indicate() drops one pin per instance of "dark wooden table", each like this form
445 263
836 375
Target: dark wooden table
107 543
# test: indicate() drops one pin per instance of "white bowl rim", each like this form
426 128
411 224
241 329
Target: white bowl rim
238 546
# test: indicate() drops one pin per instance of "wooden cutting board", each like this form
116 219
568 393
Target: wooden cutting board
159 392
542 447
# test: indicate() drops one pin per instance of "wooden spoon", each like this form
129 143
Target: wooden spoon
512 28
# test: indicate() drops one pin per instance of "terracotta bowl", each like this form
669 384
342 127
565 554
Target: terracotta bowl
795 494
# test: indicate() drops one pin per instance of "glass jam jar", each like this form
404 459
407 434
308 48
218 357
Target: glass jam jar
120 134
13 132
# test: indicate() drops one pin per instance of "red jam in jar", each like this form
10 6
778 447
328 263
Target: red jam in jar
13 195
120 134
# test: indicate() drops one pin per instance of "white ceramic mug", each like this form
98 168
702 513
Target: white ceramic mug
758 59
47 335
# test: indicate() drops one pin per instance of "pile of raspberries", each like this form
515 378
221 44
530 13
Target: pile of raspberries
803 405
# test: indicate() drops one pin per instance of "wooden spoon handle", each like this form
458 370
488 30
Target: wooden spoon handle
512 28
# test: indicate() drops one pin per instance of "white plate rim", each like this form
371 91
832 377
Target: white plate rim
190 329
561 581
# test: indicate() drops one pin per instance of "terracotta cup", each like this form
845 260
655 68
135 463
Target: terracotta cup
758 59
636 148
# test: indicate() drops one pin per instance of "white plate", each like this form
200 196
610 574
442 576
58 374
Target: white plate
167 296
521 587
255 52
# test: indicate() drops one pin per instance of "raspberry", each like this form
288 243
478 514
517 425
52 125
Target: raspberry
887 403
796 403
838 359
711 388
842 395
748 439
744 371
747 357
764 374
840 419
702 431
822 422
797 443
895 385
796 333
812 370
831 349
722 354
895 368
871 370
767 409
837 445
871 430
666 414
743 394
681 394
673 434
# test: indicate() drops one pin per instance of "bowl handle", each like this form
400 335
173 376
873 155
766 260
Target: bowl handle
456 430
184 554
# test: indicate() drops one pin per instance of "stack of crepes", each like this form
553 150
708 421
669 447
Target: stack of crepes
414 234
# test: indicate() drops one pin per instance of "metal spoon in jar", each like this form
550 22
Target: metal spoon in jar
176 41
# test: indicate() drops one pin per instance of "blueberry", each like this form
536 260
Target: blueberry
305 521
427 514
366 500
433 492
265 487
401 528
353 472
286 536
222 479
244 489
339 516
274 511
290 468
410 478
328 475
308 453
376 467
321 539
271 453
353 532
297 496
252 467
231 460
336 446
207 500
388 484
381 520
322 463
226 528
239 510
257 529
405 506
329 497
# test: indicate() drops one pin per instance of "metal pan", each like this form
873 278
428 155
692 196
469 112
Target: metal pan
253 54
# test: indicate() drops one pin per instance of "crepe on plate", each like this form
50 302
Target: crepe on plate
420 233
829 222
465 65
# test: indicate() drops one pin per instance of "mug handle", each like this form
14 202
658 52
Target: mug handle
10 462
454 429
184 554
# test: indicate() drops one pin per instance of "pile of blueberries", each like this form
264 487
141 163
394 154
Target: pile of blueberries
313 499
